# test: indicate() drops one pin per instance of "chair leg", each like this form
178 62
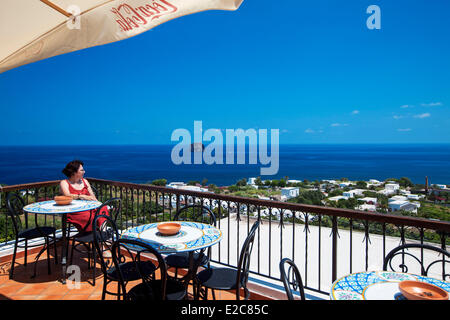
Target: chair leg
88 247
71 251
47 242
56 251
105 282
11 270
26 253
95 263
37 259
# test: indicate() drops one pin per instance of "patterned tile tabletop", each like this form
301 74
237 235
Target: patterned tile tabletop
50 207
376 285
192 236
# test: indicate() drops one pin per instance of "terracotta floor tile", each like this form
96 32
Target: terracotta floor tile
54 289
76 297
49 297
32 289
9 289
85 288
24 297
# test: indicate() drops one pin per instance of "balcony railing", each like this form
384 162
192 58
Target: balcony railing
326 243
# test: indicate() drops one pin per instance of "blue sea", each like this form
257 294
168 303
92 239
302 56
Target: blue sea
140 164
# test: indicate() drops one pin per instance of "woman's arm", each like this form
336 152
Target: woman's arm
92 194
64 187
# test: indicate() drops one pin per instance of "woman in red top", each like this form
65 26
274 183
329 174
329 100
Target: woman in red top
78 188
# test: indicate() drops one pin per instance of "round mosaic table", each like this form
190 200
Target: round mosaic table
51 208
376 285
192 236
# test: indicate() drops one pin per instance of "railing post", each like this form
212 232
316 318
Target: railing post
334 248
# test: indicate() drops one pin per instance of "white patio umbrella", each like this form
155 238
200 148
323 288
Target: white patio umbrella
32 30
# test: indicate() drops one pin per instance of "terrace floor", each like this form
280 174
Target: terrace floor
48 287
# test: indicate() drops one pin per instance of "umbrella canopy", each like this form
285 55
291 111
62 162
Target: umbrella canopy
32 30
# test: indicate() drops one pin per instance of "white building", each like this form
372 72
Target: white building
190 188
290 192
414 196
441 186
345 184
352 193
374 182
369 200
392 186
251 181
398 198
294 181
175 184
402 205
367 207
337 198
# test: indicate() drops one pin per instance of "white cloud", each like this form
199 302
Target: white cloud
309 130
339 124
432 104
422 115
404 130
397 117
406 106
355 112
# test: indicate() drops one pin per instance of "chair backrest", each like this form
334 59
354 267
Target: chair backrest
197 213
292 280
105 235
113 207
138 252
409 259
244 262
15 205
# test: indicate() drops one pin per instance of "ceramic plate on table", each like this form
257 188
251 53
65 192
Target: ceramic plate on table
381 291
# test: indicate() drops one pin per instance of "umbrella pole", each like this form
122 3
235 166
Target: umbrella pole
59 9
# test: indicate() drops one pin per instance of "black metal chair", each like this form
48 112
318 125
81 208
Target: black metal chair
227 278
150 289
197 213
425 266
105 235
292 280
23 233
86 238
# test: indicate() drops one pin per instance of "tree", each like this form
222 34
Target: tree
336 192
242 182
159 182
309 197
204 182
193 183
405 182
361 184
258 182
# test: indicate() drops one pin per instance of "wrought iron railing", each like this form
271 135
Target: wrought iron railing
324 242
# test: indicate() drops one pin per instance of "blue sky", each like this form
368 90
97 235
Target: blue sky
311 69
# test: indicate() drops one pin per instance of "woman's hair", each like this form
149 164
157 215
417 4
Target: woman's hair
72 168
